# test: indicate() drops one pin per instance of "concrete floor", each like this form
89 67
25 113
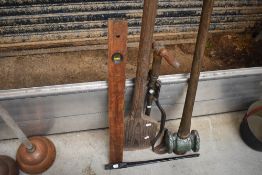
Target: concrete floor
222 152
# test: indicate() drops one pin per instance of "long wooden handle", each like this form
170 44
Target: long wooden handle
117 49
184 128
145 46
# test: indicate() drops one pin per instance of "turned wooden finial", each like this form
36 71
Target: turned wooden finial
39 158
8 166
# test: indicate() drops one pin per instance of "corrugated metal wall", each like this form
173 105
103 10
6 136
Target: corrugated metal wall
35 24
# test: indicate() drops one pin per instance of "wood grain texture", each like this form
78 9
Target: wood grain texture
185 125
139 132
38 161
143 61
8 166
117 43
140 129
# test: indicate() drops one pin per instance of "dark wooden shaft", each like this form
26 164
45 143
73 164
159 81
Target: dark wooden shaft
117 43
155 71
184 128
145 46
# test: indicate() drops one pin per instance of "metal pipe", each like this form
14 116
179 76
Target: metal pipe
184 128
18 132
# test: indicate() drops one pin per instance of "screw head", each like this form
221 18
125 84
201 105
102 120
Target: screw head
151 91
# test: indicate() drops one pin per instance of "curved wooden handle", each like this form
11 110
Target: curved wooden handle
161 51
169 57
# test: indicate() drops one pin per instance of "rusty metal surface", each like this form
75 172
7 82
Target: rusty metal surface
28 21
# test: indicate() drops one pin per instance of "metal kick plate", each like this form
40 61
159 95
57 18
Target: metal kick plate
83 106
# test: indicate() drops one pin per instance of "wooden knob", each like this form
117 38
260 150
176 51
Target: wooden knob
38 160
8 166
